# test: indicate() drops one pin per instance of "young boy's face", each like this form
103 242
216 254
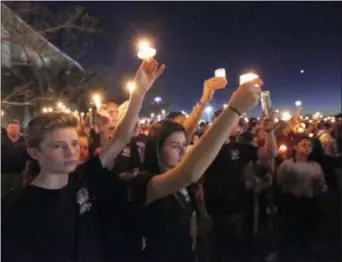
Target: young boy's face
59 152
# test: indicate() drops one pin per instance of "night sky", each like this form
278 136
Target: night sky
276 40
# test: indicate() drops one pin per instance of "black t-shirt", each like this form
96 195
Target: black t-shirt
13 155
66 224
54 225
120 199
166 227
224 187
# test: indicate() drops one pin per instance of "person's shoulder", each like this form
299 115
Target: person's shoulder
93 164
18 201
287 163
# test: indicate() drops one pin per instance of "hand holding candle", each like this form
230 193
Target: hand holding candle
210 86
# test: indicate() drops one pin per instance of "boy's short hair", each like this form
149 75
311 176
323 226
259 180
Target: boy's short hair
42 124
14 122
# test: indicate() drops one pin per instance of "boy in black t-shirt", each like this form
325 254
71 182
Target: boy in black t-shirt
54 217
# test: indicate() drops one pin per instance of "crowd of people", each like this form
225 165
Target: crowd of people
172 190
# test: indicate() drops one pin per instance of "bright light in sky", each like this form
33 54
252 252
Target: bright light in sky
298 103
302 71
157 99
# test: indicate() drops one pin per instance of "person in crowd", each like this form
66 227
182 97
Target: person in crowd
169 177
229 203
84 147
328 142
54 218
13 158
301 181
87 129
106 120
166 221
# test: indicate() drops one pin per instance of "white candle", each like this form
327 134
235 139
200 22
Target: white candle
221 72
247 77
97 101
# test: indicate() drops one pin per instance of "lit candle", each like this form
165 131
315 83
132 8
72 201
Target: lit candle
97 100
130 87
145 51
282 149
300 130
247 77
221 72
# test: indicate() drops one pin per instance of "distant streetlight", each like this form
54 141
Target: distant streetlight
209 110
298 103
286 116
157 100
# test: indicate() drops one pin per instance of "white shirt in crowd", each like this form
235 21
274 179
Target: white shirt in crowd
302 179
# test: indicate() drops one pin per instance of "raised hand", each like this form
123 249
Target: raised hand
246 96
210 86
103 118
146 75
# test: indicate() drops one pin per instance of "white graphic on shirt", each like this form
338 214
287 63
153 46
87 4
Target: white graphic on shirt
83 198
185 193
126 152
235 154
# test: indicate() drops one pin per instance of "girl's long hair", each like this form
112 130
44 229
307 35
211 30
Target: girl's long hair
158 133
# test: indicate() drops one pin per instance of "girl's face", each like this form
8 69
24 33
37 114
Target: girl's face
173 150
304 147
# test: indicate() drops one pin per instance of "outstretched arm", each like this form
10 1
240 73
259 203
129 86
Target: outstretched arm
146 75
210 86
196 162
